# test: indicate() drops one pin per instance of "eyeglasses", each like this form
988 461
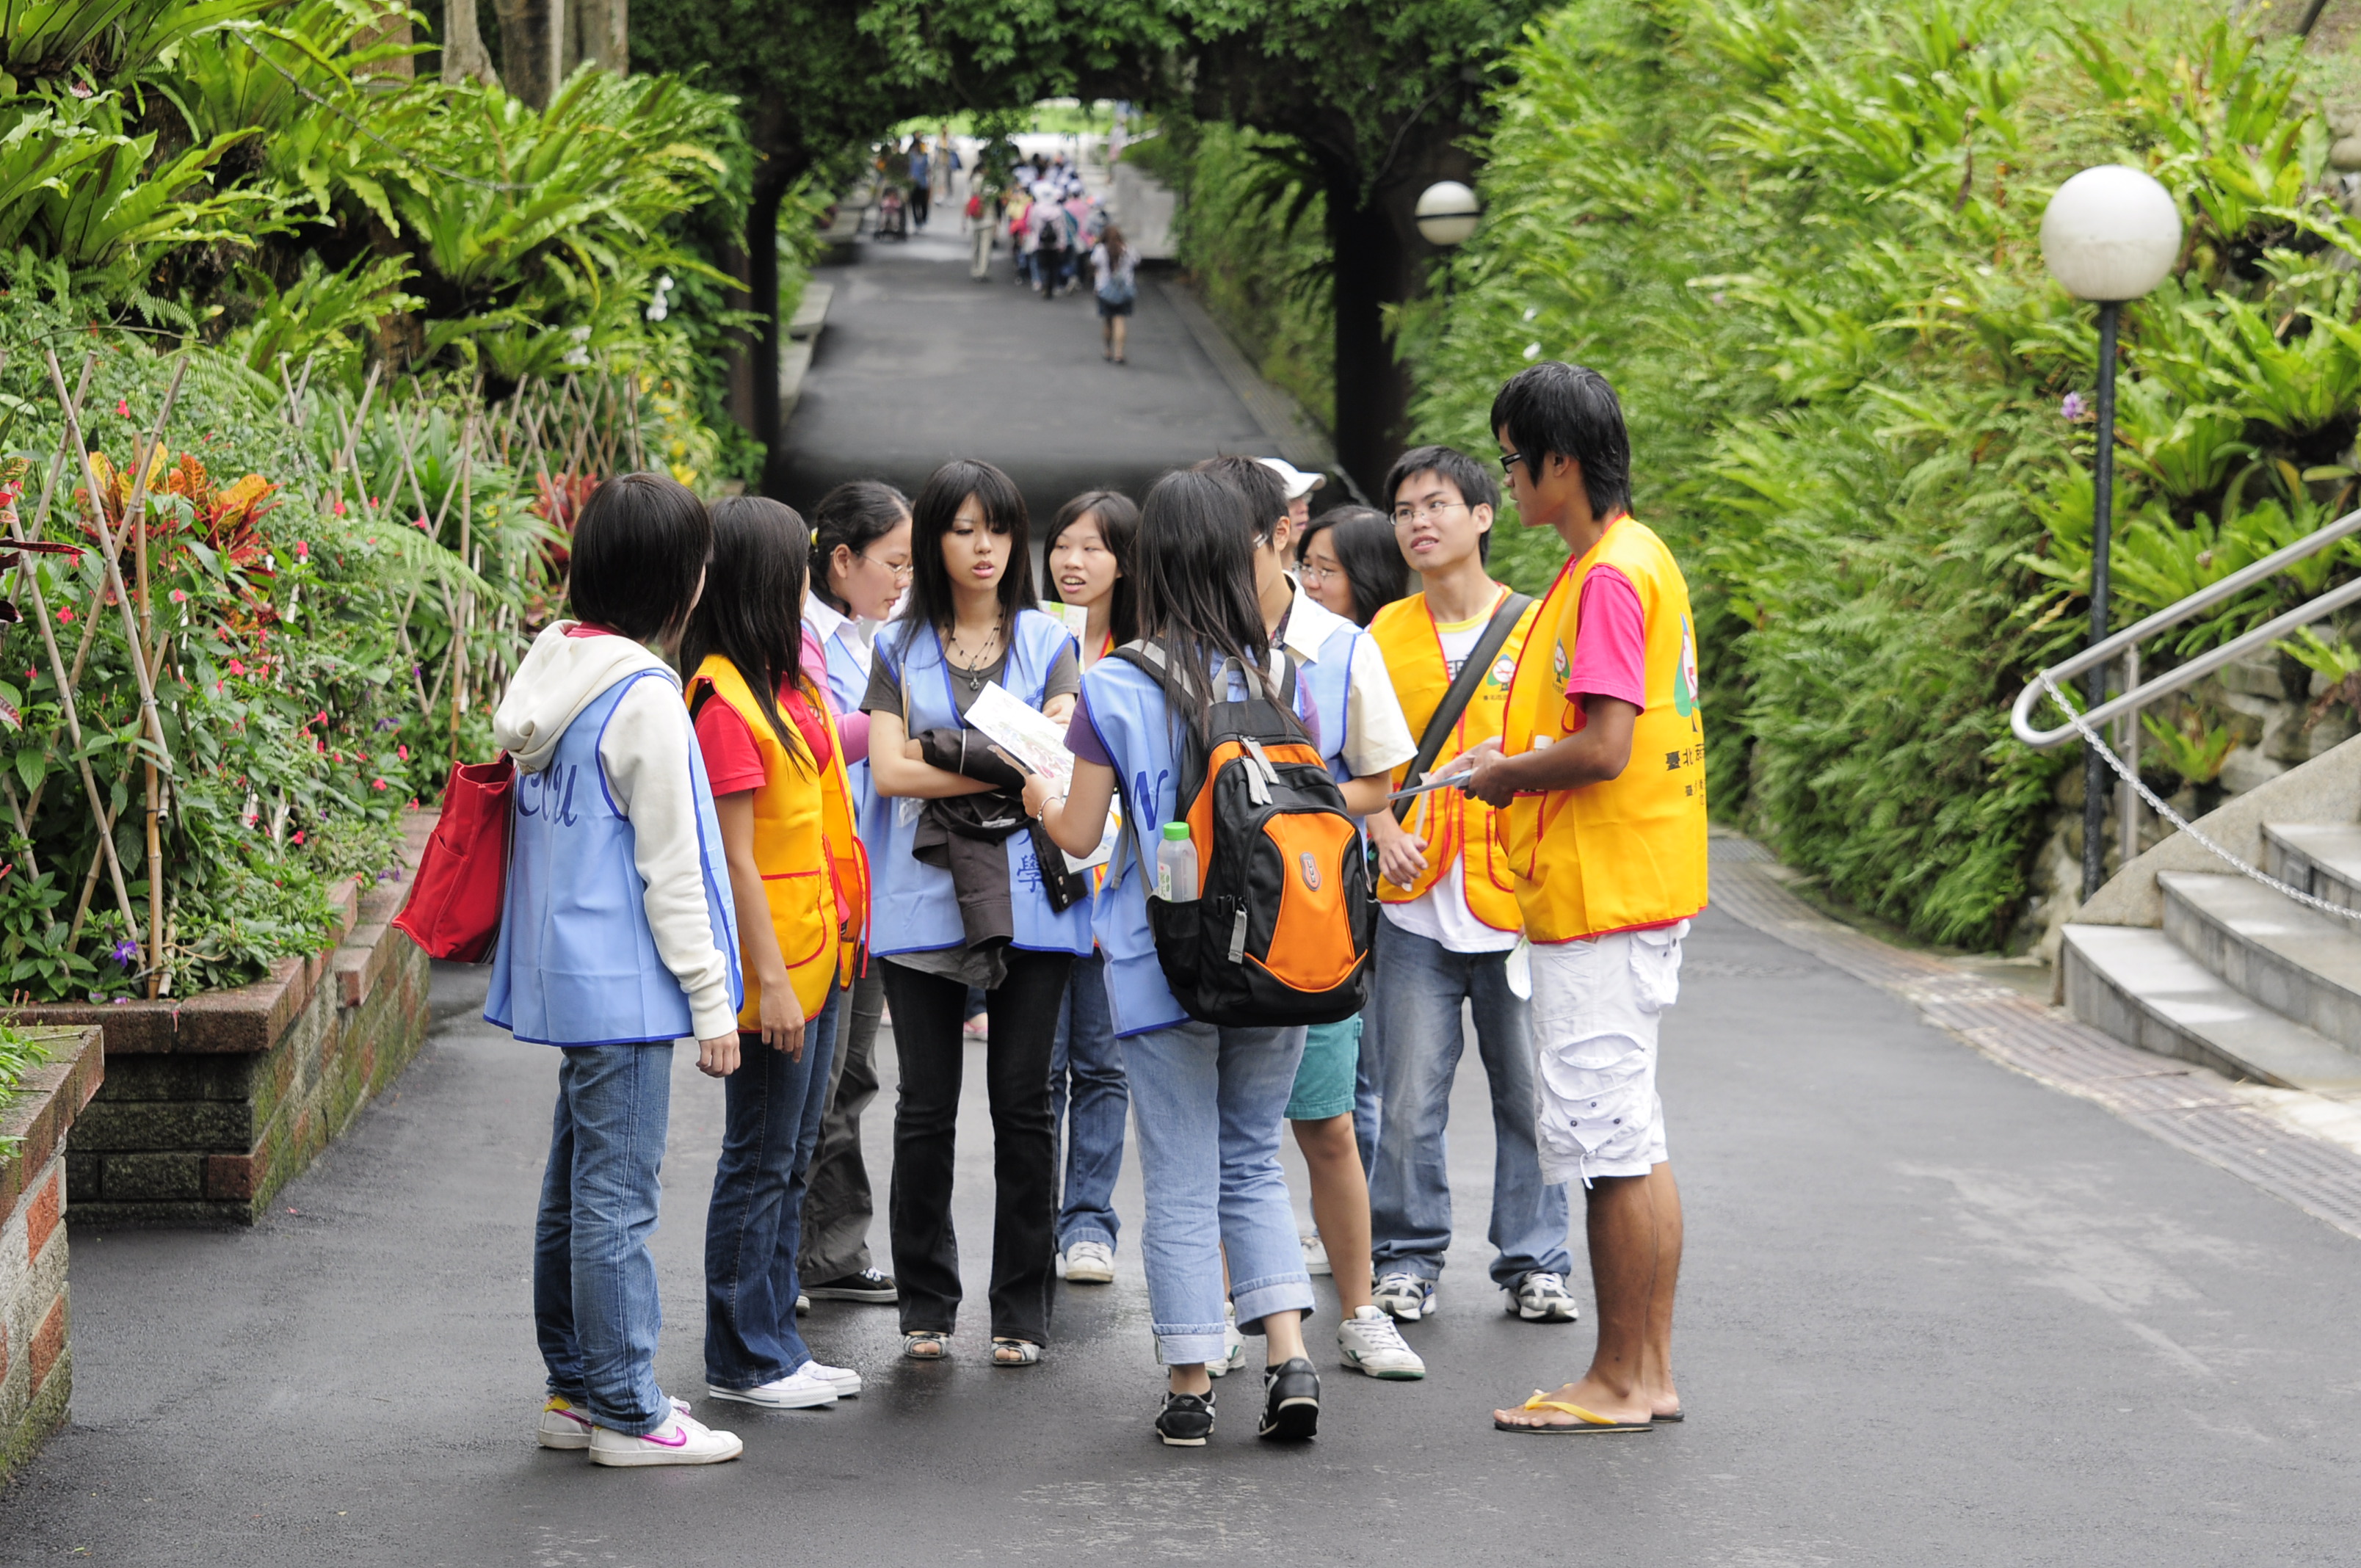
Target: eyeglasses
1509 460
1310 573
1405 517
901 574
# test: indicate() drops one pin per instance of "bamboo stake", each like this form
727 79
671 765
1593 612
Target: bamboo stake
134 516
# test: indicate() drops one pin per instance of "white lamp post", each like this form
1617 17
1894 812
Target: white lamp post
2111 235
1447 213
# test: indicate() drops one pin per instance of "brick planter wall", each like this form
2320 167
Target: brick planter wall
213 1103
36 1356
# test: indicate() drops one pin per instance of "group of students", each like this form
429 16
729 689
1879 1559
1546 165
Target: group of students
785 820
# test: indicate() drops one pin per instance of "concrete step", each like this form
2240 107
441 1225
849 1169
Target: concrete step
2300 964
2322 858
2137 985
811 311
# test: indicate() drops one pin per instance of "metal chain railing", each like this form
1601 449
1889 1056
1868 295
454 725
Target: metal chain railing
2131 776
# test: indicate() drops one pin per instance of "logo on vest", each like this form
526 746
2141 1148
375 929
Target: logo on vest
1684 676
1563 668
542 795
1503 671
1311 870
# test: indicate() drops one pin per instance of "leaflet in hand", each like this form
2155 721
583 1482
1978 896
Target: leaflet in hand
1035 740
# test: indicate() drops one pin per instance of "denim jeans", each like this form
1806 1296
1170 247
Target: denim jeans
1088 1102
1421 984
773 1106
594 1282
1209 1103
933 1055
839 1206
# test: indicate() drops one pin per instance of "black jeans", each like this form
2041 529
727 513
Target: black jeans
927 1016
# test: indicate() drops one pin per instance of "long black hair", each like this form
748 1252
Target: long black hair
1366 547
931 516
1119 528
1197 582
752 611
855 515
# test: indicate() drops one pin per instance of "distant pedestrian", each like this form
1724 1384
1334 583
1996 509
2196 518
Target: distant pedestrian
1349 562
1115 269
776 763
1609 850
618 936
1091 565
1051 256
982 217
922 187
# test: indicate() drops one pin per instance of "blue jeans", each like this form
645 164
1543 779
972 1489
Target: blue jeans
594 1282
1421 984
1086 1073
773 1106
1208 1102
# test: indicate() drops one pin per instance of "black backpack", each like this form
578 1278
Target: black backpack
1280 933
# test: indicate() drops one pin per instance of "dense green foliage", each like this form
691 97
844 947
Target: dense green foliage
1801 238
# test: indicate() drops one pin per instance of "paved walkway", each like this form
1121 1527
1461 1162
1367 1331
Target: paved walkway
1934 1313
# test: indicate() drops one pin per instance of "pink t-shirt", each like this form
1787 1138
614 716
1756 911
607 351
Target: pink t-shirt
1610 643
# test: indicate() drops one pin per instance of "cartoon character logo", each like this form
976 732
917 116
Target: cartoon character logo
1684 676
1563 667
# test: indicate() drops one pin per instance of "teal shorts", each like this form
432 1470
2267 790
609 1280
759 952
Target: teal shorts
1331 1065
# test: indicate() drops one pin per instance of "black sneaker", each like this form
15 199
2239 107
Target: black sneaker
869 1285
1186 1420
1290 1400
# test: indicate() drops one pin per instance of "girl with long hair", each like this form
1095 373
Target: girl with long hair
800 890
964 898
1115 267
1349 562
1208 1100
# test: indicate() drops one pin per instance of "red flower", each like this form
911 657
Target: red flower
378 785
404 751
179 598
299 835
303 550
65 614
123 406
236 667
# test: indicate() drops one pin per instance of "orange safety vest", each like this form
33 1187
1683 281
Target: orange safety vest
1455 825
815 873
1629 851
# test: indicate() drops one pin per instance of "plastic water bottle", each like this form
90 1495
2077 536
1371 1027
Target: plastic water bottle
1176 865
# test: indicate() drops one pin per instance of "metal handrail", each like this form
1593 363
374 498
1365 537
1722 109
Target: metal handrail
2020 716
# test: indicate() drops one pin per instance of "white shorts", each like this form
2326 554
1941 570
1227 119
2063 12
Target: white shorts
1595 1006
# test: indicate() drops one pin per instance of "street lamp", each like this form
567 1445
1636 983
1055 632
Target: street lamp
2111 235
1447 213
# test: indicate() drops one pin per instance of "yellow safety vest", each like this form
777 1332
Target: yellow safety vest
1630 851
815 876
1454 824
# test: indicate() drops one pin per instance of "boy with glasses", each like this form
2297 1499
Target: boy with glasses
1449 917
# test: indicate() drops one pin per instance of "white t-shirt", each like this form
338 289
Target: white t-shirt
1118 272
1441 914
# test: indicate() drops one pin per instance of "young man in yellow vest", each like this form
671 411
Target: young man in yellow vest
1599 776
1449 917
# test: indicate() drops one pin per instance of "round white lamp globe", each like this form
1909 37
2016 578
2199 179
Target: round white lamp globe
2110 232
1448 213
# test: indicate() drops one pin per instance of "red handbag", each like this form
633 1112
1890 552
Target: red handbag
454 900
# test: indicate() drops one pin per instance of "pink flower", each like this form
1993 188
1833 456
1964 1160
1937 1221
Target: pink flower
123 406
405 753
340 510
378 785
299 835
179 598
65 614
238 667
303 550
425 526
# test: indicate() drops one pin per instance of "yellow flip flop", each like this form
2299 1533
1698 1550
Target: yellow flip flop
1587 1420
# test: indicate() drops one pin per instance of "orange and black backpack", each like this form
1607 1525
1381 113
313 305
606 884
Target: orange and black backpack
1280 930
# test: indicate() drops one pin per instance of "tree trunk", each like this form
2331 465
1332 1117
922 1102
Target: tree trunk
1372 269
465 58
598 32
762 281
533 43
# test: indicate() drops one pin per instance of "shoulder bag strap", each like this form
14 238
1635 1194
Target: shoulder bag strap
1463 687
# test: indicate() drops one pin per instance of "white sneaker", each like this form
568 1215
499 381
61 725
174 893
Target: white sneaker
1234 1346
1371 1343
564 1424
1315 1257
843 1379
803 1306
684 1440
1407 1296
799 1390
1541 1297
1087 1263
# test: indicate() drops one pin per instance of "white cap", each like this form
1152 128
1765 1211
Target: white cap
1298 483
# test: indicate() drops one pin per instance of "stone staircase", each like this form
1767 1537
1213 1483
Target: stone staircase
2181 956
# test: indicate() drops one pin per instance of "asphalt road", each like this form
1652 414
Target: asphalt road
919 364
1933 1313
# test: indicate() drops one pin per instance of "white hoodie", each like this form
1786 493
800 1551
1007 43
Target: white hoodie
644 756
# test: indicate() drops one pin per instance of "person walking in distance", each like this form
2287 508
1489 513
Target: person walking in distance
1207 1099
963 898
617 939
1607 847
861 564
1449 921
1363 739
922 183
1115 272
801 895
1091 563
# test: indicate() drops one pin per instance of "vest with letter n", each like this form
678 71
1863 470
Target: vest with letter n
577 964
1629 851
814 879
1456 825
916 905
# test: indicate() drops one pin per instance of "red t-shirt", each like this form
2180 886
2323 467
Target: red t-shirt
1611 644
732 761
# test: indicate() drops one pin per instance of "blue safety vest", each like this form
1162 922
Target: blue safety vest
848 682
914 907
1127 710
576 964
